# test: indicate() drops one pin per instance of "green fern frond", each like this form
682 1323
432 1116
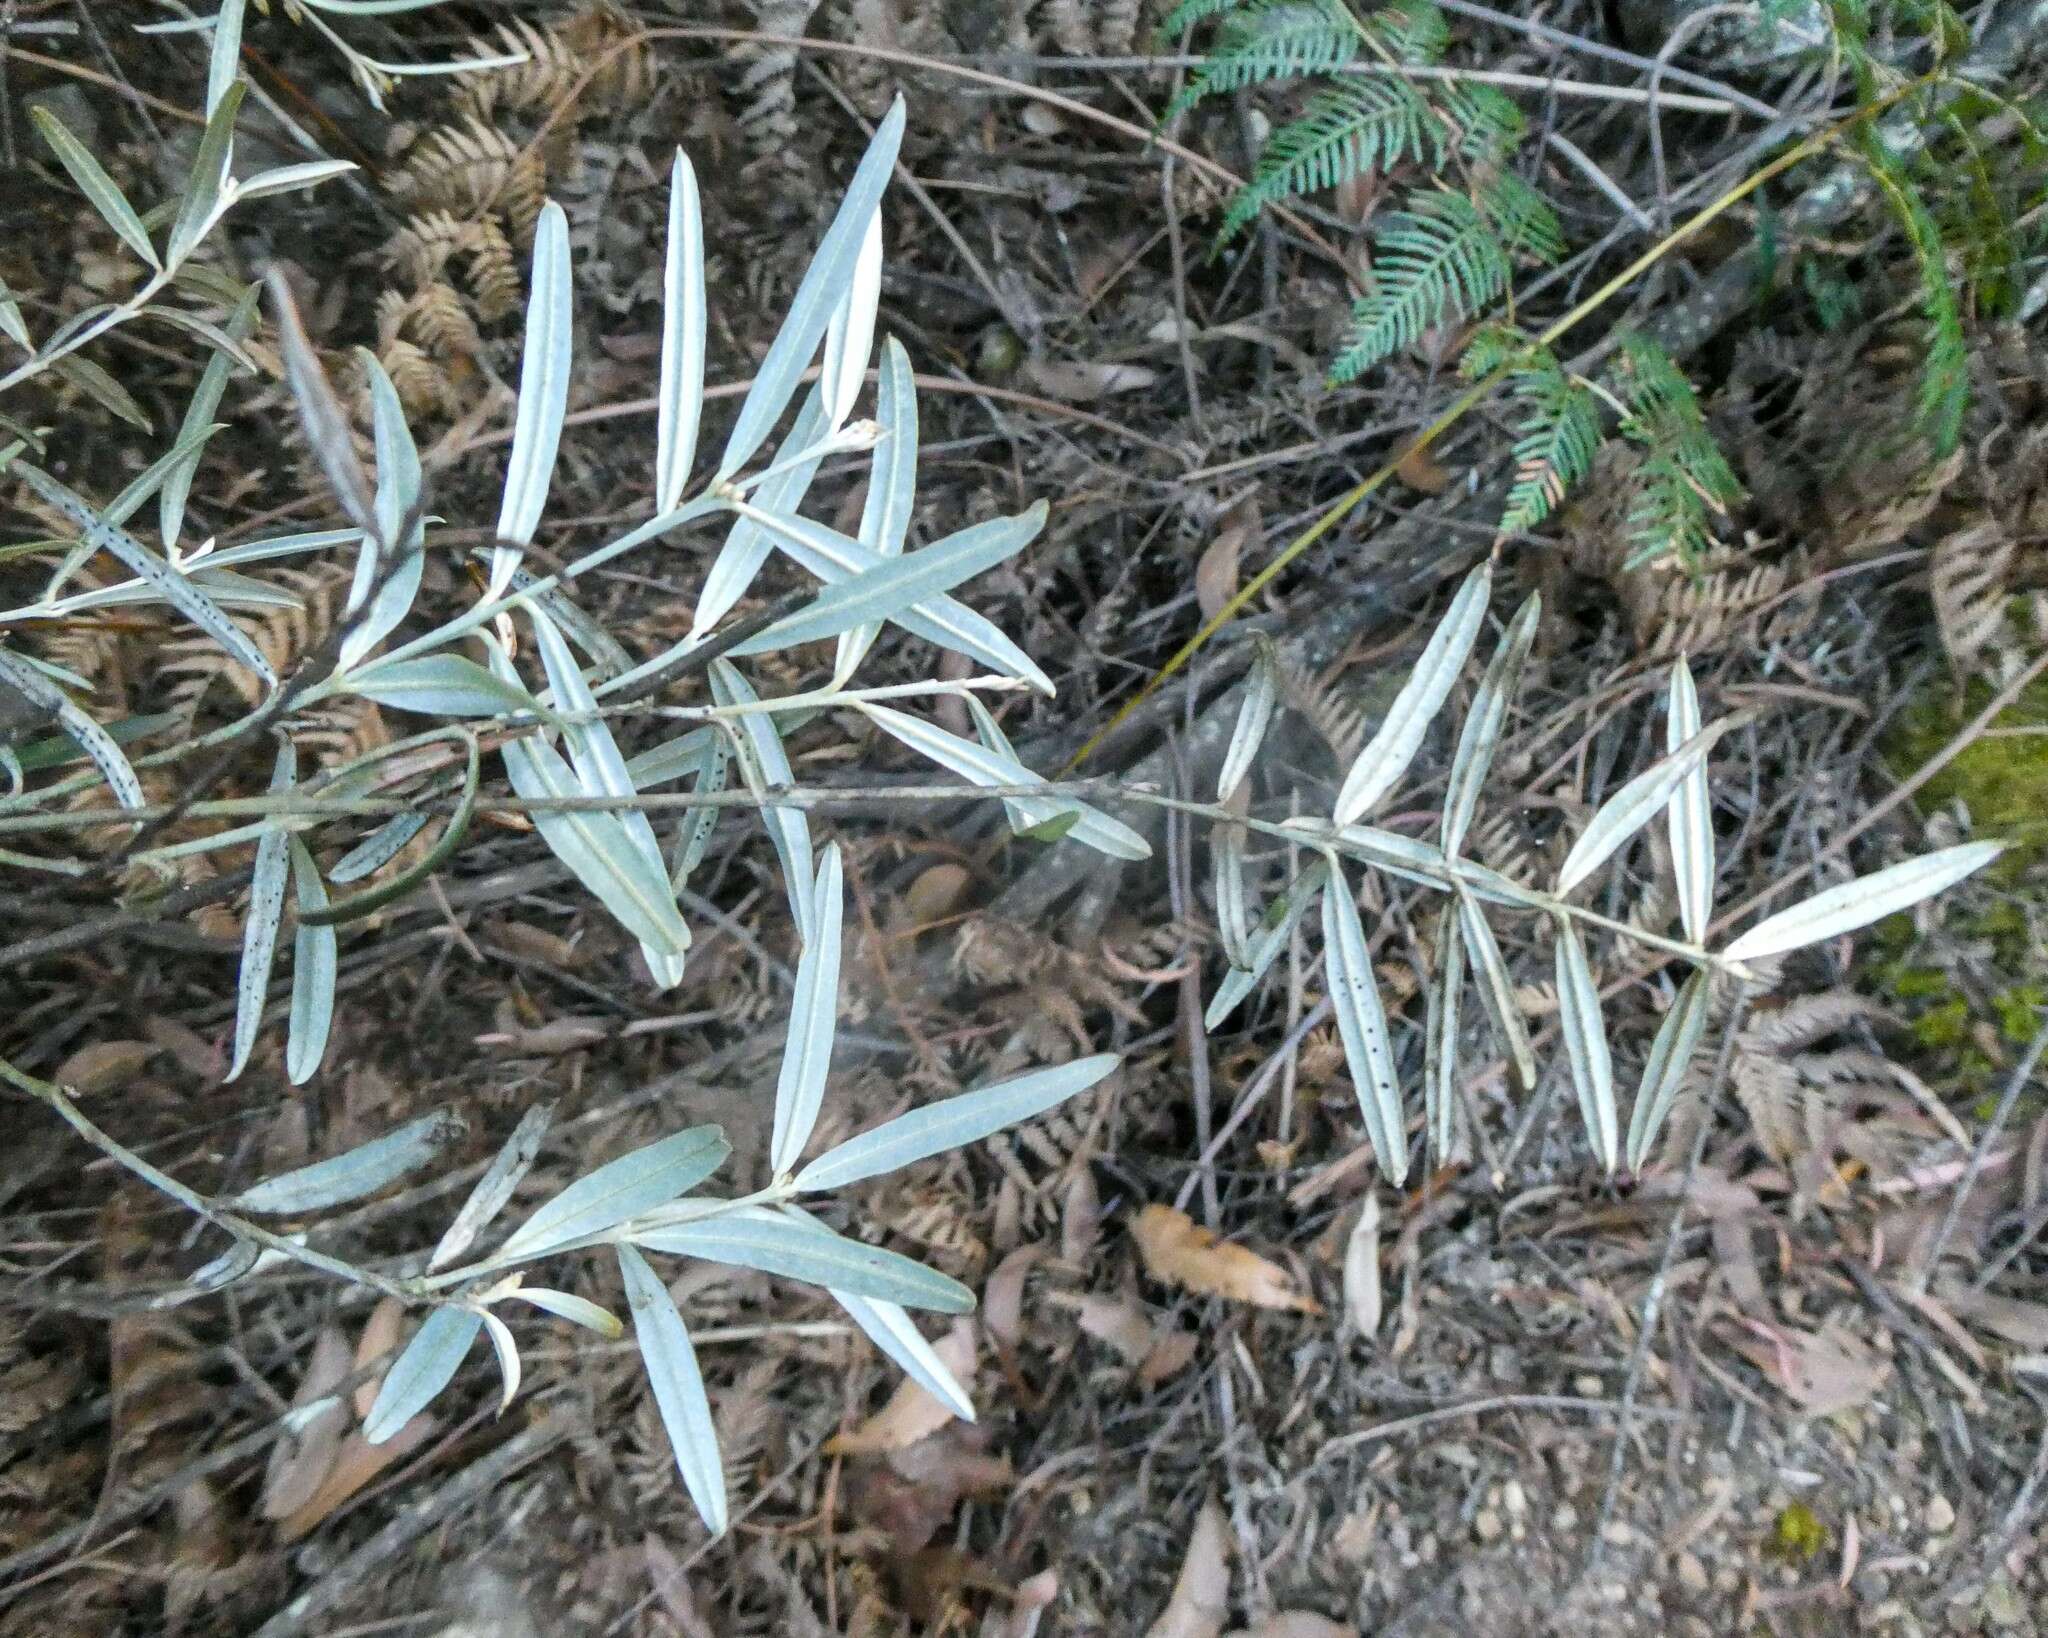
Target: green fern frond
1485 122
1492 345
1272 40
1189 14
1372 121
1441 258
1684 481
1410 31
1556 439
1945 372
1522 218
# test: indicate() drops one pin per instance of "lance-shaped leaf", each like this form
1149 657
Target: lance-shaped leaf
1446 997
292 178
807 1046
747 544
765 765
693 836
673 759
1859 902
266 915
850 337
399 525
1691 812
894 585
93 181
1480 736
1233 919
1632 807
825 285
543 395
940 619
892 487
991 771
11 324
1362 1023
1267 942
427 1365
314 961
602 771
576 1310
442 685
1664 1070
800 1248
1385 759
678 1386
1496 990
99 746
507 1350
174 588
997 743
951 1123
679 400
213 381
206 195
493 1190
362 1170
1585 1044
636 1182
1254 717
379 848
893 1331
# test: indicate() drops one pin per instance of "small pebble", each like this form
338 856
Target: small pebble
1941 1516
1487 1525
1692 1574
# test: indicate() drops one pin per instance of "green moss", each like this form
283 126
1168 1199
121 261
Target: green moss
2019 1012
1797 1535
2002 778
1944 1027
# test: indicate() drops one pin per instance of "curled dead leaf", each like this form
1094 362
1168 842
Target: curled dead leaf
1201 1593
1421 473
381 1334
912 1414
104 1064
1179 1251
300 1462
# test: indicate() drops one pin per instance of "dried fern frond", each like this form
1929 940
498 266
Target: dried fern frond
1970 577
471 168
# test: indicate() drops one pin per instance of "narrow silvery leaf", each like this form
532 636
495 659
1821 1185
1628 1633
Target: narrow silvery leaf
673 759
262 551
98 745
362 1170
893 1331
1863 900
850 337
951 1123
1585 1044
428 1364
985 768
895 585
1632 807
678 1387
1691 812
292 178
324 421
807 1046
1385 759
825 283
379 848
95 184
213 380
95 382
203 201
747 544
1233 921
543 395
508 1167
175 588
997 743
266 914
595 847
602 770
397 500
607 658
314 960
11 324
224 62
1362 1022
1497 990
1267 943
1446 997
228 1267
1254 717
799 1248
940 619
636 1182
892 486
441 685
1480 736
679 401
1664 1069
766 765
507 1350
576 1310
